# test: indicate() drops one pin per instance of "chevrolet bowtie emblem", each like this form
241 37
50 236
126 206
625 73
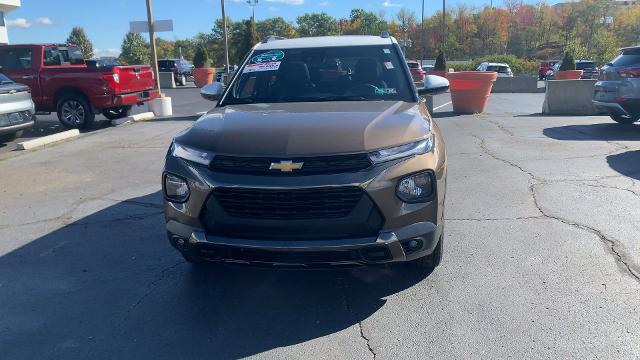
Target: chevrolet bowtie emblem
286 166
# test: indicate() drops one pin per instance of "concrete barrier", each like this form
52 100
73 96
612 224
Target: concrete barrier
46 140
133 118
569 97
517 84
167 80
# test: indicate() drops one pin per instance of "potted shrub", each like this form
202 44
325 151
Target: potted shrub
202 73
470 90
440 68
567 69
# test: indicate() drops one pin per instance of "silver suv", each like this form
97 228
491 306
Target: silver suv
618 88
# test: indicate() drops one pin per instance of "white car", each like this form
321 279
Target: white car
502 69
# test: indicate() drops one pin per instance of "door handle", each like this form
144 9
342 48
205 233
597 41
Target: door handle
27 77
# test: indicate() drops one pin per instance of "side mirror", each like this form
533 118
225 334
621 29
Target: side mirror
212 92
434 85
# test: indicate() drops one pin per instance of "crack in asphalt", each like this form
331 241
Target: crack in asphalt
613 245
347 306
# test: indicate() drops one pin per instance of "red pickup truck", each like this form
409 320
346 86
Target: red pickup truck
61 82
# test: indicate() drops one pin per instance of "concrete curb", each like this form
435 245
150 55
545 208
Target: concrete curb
49 139
133 118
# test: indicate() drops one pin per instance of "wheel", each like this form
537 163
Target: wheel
10 137
624 119
183 80
74 112
431 261
117 113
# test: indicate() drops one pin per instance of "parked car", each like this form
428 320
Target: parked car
180 68
588 67
503 70
349 172
416 71
545 66
17 111
618 88
220 73
60 81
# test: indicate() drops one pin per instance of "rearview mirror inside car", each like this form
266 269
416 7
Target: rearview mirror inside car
212 92
434 85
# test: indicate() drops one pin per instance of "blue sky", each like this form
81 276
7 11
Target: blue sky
107 21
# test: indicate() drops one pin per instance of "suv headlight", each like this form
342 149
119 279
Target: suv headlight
191 154
176 188
416 148
416 187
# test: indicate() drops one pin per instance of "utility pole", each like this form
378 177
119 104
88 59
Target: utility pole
152 40
226 40
422 36
444 29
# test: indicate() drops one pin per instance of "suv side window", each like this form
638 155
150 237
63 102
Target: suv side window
16 58
52 57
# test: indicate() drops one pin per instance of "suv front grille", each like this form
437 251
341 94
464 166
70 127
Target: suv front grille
311 165
324 203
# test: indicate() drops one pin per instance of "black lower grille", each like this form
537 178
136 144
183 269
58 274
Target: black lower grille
310 165
325 203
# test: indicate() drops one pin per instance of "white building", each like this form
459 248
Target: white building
6 6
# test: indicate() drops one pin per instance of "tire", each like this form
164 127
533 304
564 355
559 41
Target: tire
10 137
183 80
74 112
623 119
431 261
117 113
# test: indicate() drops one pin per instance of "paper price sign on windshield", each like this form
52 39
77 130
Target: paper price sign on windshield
266 66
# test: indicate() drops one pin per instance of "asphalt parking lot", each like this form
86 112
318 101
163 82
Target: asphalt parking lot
542 256
185 100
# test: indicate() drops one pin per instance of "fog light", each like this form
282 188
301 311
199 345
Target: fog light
415 188
175 189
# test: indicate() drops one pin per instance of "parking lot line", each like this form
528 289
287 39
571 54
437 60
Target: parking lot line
441 106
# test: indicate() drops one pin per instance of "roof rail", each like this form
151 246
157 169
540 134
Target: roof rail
271 38
384 34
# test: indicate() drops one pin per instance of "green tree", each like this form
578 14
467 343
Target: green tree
441 62
201 57
79 37
317 24
568 62
135 50
275 26
186 47
164 48
249 39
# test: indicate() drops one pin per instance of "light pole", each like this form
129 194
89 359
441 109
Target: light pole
226 40
253 4
422 36
444 31
152 41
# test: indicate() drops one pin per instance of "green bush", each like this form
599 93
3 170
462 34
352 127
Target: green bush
441 63
201 57
462 67
518 65
568 63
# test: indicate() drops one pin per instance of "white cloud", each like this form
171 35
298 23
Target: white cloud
288 2
390 4
43 21
18 23
98 53
323 3
273 9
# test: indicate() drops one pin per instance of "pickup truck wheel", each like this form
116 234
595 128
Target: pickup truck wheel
75 113
117 113
623 119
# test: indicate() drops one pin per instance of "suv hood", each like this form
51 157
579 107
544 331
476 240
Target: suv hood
304 129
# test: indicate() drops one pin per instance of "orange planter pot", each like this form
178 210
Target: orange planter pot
568 75
203 76
470 90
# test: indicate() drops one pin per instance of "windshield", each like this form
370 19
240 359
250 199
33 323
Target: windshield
498 68
321 74
627 58
585 65
5 80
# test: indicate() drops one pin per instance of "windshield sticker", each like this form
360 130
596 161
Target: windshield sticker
388 65
270 56
267 66
386 91
386 51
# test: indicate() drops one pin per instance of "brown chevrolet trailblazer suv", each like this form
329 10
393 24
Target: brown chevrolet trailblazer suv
302 163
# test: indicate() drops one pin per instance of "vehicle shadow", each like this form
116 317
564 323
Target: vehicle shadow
626 163
110 286
598 131
444 114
